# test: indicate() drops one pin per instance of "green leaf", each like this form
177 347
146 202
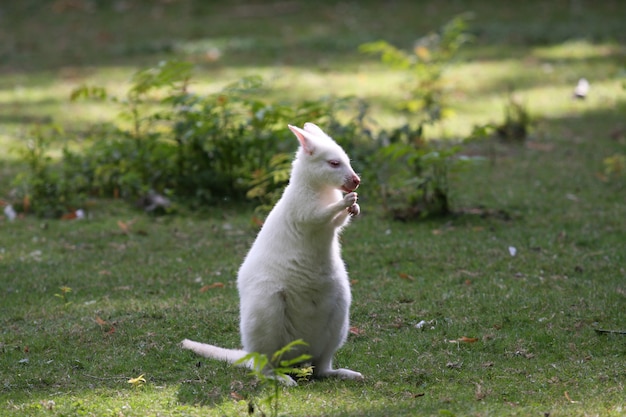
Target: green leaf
166 74
390 55
295 361
88 92
287 348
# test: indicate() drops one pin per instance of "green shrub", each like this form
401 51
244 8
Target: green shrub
517 121
233 145
413 172
281 369
169 140
199 147
615 165
43 188
426 100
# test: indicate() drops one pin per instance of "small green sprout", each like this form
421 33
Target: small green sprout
137 382
63 295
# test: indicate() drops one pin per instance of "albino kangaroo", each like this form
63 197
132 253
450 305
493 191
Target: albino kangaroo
293 283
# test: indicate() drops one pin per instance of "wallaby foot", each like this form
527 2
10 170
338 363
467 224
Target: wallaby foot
342 373
285 380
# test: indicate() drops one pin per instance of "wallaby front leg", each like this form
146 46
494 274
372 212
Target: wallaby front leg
328 213
344 207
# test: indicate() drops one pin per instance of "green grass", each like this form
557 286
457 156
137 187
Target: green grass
534 315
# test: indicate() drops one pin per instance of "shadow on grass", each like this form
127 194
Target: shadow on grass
297 32
316 397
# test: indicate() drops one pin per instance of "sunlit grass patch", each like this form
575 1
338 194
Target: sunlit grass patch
578 49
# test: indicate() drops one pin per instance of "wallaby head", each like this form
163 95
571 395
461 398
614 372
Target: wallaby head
320 161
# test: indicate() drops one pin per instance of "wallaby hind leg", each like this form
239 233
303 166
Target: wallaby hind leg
323 368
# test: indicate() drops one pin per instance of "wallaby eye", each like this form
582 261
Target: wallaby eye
334 163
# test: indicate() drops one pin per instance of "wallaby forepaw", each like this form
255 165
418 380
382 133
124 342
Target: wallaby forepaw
350 199
354 210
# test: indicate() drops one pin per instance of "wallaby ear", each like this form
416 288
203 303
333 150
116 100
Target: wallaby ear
305 139
313 128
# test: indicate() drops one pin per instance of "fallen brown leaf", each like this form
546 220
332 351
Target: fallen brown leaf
105 325
466 339
69 216
101 322
569 398
205 288
125 226
236 396
602 177
356 331
480 392
406 276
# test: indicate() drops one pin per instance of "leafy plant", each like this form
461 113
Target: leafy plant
413 171
223 139
415 175
169 140
133 157
266 183
615 165
137 382
202 147
65 290
232 145
426 63
272 372
43 188
517 120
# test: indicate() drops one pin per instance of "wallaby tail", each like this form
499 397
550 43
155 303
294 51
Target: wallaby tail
215 352
231 356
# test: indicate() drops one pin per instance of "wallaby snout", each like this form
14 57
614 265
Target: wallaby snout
352 183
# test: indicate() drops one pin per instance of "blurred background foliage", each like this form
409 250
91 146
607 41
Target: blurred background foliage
170 131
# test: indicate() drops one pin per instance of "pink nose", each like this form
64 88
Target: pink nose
356 180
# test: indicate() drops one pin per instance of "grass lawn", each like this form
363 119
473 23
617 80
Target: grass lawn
495 310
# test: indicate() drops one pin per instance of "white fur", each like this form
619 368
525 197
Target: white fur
293 283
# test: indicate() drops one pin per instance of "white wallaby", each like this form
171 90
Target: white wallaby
293 283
